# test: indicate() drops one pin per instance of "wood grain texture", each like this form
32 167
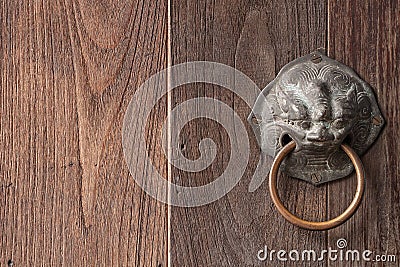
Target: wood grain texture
365 36
258 37
68 70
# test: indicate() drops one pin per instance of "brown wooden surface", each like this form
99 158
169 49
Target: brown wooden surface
365 36
257 38
68 71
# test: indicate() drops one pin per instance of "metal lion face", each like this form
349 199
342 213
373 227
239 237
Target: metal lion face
319 103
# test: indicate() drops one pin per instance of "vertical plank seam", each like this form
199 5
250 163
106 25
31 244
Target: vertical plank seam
169 106
327 28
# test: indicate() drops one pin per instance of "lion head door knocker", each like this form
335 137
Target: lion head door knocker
321 116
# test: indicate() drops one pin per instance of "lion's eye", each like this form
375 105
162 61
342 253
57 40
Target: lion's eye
339 123
305 124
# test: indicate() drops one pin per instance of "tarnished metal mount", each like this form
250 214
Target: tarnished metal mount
320 104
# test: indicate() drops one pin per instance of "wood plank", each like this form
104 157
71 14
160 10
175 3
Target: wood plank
68 70
230 231
364 35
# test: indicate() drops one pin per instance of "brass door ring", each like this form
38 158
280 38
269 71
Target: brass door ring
310 225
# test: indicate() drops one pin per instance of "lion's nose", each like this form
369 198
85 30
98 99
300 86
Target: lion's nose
320 136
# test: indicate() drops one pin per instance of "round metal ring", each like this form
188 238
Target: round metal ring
310 225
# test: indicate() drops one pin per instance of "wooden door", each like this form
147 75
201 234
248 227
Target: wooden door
68 72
